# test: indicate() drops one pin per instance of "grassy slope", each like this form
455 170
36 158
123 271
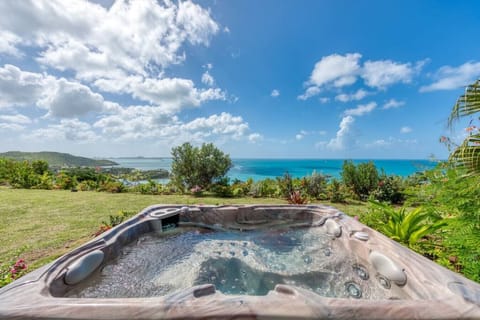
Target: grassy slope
56 159
40 225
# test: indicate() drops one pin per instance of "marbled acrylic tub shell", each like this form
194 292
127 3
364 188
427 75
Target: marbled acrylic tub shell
414 287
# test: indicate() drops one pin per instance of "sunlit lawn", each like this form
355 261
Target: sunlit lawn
40 225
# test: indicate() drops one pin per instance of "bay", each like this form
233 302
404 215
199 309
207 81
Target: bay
259 169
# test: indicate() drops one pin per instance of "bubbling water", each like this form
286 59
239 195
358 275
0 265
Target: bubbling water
250 263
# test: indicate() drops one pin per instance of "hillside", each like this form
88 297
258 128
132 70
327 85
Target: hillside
57 159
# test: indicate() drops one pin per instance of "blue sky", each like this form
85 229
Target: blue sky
261 79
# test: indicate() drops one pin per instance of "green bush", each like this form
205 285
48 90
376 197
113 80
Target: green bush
390 189
336 191
202 167
315 186
361 179
285 185
267 188
112 186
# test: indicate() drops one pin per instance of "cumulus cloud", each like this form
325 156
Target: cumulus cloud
65 99
358 95
392 103
405 130
324 99
60 97
275 93
335 71
8 43
68 129
448 78
361 109
344 137
19 88
146 122
171 94
383 73
129 36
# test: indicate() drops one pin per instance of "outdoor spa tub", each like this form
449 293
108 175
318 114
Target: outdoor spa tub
241 262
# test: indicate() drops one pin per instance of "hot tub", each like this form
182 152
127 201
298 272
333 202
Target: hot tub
289 262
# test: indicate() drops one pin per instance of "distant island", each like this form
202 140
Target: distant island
57 159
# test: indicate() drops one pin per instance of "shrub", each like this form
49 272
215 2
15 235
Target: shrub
204 166
267 188
407 227
390 189
296 197
315 186
361 179
336 191
285 185
112 186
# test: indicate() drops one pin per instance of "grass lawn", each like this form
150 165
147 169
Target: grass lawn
41 225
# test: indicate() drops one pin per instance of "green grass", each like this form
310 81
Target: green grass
40 225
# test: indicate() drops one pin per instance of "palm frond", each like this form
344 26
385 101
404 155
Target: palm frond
467 155
467 104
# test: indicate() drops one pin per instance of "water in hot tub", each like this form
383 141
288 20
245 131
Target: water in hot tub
250 263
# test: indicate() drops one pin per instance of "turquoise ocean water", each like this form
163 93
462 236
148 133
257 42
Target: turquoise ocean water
259 169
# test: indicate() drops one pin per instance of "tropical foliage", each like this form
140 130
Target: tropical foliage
408 227
467 155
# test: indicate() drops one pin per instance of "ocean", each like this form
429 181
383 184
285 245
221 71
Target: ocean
259 169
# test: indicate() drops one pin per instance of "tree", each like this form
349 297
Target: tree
467 155
202 167
361 179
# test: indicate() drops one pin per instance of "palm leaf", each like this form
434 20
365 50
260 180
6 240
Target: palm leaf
467 104
467 155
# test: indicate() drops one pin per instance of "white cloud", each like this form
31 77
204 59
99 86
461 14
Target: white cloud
405 130
392 103
275 93
8 43
208 79
19 88
65 99
344 137
255 137
172 94
383 73
343 70
337 69
129 37
324 99
448 77
67 130
390 142
310 92
358 95
146 122
299 136
62 98
16 118
361 109
11 127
